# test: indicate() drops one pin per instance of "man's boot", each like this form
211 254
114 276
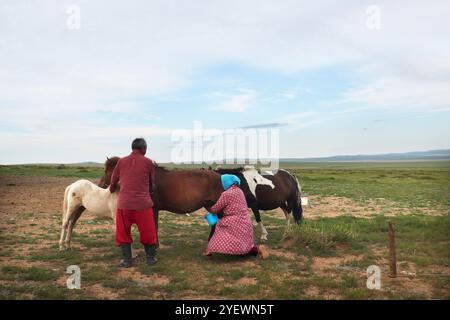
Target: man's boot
126 252
150 252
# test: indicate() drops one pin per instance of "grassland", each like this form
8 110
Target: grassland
413 184
324 258
52 171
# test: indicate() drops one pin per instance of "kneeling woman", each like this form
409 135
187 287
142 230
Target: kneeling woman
233 233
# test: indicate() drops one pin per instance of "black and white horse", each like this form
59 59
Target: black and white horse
285 193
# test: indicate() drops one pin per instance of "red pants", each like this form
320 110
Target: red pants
144 221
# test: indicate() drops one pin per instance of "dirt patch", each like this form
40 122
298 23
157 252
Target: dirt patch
142 279
96 291
287 255
187 219
28 264
246 281
288 242
312 291
331 295
320 206
200 212
62 281
32 194
331 263
194 295
100 292
408 280
409 285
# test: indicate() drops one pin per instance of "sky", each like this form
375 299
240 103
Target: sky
80 79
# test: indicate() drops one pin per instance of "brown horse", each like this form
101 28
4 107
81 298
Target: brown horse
178 191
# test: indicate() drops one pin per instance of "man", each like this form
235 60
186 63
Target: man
136 175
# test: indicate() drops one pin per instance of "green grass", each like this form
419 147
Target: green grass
322 236
418 237
411 184
31 273
52 171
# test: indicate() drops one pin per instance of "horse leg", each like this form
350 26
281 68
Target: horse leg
65 216
72 221
213 228
264 232
156 219
64 224
288 220
257 215
211 232
68 235
254 206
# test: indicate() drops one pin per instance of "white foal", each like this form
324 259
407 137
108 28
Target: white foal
96 200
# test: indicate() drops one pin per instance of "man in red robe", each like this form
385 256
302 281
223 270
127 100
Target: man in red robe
136 175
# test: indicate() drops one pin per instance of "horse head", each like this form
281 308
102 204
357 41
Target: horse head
110 164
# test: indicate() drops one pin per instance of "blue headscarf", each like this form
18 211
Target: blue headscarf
228 180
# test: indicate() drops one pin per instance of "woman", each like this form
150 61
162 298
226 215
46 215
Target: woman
234 231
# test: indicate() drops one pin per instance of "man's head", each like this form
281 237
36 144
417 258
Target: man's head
139 144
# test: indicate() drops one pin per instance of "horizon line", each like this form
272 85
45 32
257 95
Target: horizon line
283 159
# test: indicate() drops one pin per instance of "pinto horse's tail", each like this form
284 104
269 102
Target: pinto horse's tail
297 210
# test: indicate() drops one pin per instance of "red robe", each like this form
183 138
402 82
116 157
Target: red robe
135 173
234 232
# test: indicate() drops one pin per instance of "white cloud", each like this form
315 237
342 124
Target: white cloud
403 94
237 103
288 94
149 48
282 96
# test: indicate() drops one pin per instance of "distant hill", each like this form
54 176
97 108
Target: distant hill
431 155
443 154
78 164
85 164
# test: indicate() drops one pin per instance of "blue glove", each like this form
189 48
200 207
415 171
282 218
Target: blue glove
211 218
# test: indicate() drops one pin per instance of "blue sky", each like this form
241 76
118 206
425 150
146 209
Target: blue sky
331 82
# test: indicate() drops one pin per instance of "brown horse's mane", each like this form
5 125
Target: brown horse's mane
110 163
185 172
157 166
230 171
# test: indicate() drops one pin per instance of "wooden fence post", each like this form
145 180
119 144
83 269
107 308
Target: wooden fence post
392 255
